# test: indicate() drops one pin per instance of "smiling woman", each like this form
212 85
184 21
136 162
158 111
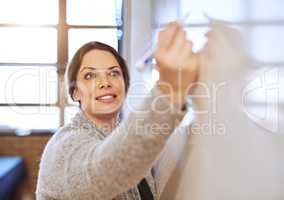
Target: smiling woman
96 156
98 79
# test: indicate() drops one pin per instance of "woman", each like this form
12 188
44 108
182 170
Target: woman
92 157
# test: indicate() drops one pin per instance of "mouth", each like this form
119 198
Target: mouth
106 98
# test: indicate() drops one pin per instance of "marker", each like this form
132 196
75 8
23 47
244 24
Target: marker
149 54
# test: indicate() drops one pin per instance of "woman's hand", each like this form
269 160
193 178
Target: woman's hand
176 63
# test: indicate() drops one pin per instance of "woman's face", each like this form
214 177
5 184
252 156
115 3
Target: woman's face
100 84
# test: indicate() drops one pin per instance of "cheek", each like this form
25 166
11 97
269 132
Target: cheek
121 86
87 91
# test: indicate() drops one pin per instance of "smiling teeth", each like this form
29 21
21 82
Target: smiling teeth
106 97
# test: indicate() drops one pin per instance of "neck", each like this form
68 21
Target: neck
106 122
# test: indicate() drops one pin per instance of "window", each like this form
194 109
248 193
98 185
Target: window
38 38
231 10
79 36
29 12
28 45
28 84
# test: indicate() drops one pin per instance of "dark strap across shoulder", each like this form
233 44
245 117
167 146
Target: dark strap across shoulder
145 191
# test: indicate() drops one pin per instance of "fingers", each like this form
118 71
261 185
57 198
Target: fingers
173 40
167 35
221 40
224 36
176 63
178 42
173 47
186 51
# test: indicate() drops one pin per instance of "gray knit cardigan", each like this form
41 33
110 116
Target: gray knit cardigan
81 162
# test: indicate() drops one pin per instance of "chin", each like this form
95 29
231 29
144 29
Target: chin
104 113
99 108
107 110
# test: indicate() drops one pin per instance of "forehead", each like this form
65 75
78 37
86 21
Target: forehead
99 59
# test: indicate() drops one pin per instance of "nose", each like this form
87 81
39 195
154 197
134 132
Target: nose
104 83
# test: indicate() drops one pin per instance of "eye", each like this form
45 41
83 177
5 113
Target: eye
89 75
115 73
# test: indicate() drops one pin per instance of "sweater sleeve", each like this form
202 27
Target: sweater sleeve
103 169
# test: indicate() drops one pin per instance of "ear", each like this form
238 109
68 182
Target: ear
76 94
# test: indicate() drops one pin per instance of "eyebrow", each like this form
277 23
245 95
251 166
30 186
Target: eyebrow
93 68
